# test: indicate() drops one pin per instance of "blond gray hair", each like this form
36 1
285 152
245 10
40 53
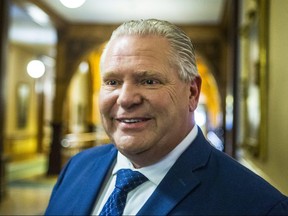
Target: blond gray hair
182 54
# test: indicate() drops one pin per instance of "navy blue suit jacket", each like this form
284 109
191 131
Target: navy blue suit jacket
203 181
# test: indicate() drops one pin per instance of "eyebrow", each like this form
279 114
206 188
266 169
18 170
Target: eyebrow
146 73
136 74
109 73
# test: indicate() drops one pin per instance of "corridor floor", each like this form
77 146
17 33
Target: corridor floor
27 196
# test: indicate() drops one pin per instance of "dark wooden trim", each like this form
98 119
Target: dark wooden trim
4 14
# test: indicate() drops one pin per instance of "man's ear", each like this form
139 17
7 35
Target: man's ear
195 88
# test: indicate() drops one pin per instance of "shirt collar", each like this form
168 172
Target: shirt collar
156 172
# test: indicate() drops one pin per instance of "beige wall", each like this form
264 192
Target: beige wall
20 140
275 167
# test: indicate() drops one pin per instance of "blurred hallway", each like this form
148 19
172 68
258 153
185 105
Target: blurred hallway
57 114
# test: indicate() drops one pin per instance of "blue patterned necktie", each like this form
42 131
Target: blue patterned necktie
126 181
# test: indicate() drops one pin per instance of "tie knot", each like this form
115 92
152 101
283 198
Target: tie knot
127 179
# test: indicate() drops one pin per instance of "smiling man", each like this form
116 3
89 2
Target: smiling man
147 109
159 162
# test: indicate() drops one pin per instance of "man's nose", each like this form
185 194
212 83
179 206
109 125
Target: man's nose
129 96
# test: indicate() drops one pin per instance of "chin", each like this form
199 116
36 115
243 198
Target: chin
130 148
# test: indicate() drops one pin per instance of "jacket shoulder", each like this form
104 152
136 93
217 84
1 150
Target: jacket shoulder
94 151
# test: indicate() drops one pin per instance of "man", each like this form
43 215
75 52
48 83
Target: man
150 90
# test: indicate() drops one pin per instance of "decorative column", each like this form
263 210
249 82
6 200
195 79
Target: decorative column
61 85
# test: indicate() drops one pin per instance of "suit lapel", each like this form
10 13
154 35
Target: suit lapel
168 194
92 183
180 180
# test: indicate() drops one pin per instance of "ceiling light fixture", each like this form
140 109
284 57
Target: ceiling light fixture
36 69
72 3
38 15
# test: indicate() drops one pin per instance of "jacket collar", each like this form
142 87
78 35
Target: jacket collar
180 180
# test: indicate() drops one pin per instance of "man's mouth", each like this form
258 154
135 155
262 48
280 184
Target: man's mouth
131 120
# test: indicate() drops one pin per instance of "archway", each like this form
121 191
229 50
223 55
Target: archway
209 114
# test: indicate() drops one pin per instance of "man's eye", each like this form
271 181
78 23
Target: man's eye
150 82
111 82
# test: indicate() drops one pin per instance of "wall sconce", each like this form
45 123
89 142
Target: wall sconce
84 67
36 69
72 3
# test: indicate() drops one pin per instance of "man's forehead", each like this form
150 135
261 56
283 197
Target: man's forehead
129 40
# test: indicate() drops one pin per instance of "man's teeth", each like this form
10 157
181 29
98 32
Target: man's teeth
131 120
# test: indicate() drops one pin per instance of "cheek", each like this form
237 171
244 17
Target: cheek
179 97
106 102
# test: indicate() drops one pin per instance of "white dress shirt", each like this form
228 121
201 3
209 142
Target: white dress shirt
155 173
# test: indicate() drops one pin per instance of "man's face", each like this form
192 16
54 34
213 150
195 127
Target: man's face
145 108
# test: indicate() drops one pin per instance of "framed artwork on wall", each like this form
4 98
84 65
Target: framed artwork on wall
22 104
255 80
